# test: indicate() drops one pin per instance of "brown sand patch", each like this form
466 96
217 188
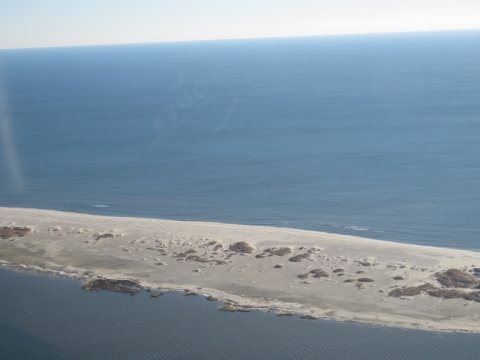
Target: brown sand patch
241 247
299 257
455 278
317 273
7 232
278 251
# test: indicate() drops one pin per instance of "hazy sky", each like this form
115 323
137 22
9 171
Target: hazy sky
39 23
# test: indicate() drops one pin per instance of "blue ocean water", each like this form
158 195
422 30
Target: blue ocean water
368 135
44 319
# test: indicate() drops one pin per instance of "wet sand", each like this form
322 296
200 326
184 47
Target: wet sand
316 274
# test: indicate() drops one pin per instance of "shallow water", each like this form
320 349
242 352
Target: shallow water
372 135
52 318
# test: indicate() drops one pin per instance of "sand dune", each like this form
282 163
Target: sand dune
316 274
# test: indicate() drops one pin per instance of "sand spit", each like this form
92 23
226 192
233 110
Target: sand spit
288 271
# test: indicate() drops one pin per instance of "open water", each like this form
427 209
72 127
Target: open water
44 318
375 136
370 135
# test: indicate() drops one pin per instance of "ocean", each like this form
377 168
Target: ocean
376 136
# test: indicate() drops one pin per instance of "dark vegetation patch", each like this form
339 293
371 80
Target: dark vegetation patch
241 247
339 270
318 273
279 266
185 254
309 317
213 242
360 285
230 308
365 280
299 257
261 256
303 276
360 272
364 263
199 259
156 294
411 290
341 274
349 280
7 232
456 278
211 298
398 277
218 247
125 286
103 236
455 294
278 251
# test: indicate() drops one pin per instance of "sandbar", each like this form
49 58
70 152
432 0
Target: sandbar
287 271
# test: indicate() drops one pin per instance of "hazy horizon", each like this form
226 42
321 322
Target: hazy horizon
53 23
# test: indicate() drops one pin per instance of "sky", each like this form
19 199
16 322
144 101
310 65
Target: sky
48 23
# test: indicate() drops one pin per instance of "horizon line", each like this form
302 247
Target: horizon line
246 38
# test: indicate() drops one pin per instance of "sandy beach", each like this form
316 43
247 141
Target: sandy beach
316 274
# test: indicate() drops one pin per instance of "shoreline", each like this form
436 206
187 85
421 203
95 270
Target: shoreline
205 258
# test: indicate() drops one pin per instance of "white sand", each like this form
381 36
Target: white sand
65 242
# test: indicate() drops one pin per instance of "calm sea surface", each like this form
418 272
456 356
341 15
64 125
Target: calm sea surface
44 318
375 136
